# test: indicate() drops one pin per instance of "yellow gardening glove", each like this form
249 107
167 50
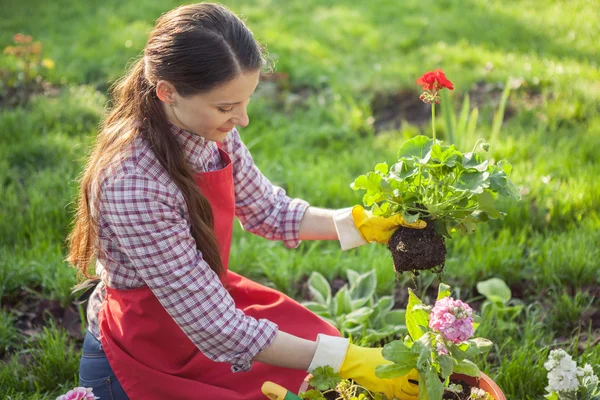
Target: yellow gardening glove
360 364
380 229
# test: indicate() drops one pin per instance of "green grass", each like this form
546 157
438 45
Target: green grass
344 52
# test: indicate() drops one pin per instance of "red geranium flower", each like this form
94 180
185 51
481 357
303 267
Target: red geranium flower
435 81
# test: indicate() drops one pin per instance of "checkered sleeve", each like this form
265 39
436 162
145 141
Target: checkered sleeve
148 226
263 208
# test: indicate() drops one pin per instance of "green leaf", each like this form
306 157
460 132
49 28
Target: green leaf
447 364
477 346
474 182
342 302
352 276
399 353
382 168
447 155
384 304
423 395
495 290
552 396
472 125
324 378
461 125
418 148
359 316
361 182
391 371
410 218
498 180
435 387
505 166
311 395
473 161
396 317
319 288
467 367
416 316
317 308
403 170
443 291
423 349
365 286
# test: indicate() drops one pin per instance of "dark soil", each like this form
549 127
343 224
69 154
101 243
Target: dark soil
391 110
20 95
417 250
464 395
32 313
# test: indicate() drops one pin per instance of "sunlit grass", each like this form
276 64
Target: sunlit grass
315 144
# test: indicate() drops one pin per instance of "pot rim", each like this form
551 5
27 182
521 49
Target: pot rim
492 387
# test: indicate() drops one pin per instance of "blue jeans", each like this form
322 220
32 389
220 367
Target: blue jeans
95 371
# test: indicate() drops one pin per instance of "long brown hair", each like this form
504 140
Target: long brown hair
197 48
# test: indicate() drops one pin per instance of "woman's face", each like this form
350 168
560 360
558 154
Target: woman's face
214 114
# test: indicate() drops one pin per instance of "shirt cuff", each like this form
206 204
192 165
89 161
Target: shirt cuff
348 234
268 330
296 210
331 351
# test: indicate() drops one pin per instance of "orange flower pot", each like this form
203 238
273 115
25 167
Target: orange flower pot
484 382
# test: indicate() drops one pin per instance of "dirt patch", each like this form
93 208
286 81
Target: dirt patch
14 96
391 110
32 313
279 88
489 95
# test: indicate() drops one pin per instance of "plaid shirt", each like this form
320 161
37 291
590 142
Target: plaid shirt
145 240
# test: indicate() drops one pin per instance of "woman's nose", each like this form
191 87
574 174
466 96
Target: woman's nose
242 118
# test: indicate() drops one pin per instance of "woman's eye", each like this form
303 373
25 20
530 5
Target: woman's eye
225 110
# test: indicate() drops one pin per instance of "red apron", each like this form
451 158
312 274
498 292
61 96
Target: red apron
153 358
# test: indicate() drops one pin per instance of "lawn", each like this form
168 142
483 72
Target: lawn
344 98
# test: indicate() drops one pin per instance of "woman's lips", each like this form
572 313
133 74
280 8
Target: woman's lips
224 130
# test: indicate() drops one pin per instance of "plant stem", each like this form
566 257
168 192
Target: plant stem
433 120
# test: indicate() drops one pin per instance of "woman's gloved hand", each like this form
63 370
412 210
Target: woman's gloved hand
359 363
380 229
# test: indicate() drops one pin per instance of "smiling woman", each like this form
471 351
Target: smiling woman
167 175
218 110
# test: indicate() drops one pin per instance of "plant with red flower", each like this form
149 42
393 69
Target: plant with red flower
433 82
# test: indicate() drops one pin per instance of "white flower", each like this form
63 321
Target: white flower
562 381
562 372
586 376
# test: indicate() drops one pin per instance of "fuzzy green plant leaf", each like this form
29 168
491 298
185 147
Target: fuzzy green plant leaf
417 148
447 365
495 290
319 288
443 291
312 395
416 316
467 367
435 387
324 378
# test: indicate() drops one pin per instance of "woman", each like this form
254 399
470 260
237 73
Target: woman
166 177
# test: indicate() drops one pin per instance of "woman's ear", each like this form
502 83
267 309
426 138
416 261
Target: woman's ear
166 92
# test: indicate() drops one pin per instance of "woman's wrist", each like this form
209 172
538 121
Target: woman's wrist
288 351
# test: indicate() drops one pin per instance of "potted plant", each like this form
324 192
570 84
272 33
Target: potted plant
439 346
450 190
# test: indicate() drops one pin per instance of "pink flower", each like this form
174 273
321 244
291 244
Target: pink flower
441 349
452 318
78 393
